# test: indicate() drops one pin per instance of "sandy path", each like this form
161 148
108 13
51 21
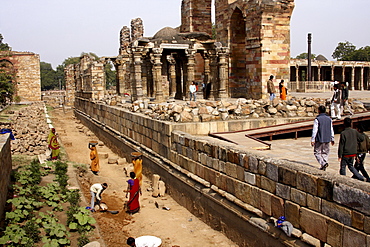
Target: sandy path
176 227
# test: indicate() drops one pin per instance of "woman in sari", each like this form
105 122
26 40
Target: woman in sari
94 157
133 205
53 144
283 90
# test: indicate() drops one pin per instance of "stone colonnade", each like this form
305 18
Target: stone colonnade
357 74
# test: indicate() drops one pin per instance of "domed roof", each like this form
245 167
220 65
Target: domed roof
166 33
321 58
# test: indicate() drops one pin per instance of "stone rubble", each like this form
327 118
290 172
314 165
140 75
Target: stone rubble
30 130
230 109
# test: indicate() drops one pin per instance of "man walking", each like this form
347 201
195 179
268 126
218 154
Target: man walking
322 136
335 102
344 103
347 149
271 88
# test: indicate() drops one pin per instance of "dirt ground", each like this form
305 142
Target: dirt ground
176 226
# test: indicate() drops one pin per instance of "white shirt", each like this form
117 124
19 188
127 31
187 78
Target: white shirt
147 241
97 189
192 88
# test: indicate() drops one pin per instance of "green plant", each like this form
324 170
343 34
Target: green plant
82 240
15 236
56 233
23 208
52 197
82 221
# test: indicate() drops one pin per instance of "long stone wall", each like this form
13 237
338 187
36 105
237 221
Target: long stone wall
5 170
237 191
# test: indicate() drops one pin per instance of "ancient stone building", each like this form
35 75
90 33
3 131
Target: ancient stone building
357 74
87 79
27 68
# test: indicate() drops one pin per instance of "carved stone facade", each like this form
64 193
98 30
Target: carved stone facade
27 68
87 79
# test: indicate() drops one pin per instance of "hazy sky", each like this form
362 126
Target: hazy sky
60 29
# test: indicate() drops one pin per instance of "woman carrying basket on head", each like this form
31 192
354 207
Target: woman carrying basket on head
133 205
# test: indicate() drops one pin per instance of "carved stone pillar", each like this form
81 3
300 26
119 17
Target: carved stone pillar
362 79
343 73
190 53
213 74
297 76
138 88
172 64
157 52
332 73
352 78
319 73
223 53
122 74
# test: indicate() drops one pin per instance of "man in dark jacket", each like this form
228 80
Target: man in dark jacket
322 136
347 149
362 148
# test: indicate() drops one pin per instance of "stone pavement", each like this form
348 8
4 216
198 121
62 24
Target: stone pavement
300 150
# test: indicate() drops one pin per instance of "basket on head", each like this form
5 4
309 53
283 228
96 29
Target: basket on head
93 143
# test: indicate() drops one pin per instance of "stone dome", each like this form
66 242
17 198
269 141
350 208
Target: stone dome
321 58
166 33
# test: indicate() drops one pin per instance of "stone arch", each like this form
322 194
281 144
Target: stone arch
238 54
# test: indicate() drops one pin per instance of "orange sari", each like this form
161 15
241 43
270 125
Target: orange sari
94 157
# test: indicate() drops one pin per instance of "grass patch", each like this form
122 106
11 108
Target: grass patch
21 160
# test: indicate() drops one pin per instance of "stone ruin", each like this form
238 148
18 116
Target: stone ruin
228 109
30 130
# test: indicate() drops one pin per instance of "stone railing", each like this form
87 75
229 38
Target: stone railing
5 170
322 207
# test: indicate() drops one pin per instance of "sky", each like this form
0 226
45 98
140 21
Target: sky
60 29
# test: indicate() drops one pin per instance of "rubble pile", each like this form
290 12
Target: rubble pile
228 109
30 130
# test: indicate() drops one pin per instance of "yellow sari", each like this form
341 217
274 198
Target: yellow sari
53 144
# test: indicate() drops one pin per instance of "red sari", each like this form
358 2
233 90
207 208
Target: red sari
133 204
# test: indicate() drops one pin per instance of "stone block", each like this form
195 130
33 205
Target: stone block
221 181
352 197
277 206
230 169
230 185
203 159
358 220
112 160
266 202
268 184
314 224
199 170
222 166
283 191
298 196
103 155
243 191
262 167
325 189
292 213
249 178
367 224
272 171
314 202
307 182
255 197
352 237
240 173
335 233
252 164
287 176
337 212
215 163
312 241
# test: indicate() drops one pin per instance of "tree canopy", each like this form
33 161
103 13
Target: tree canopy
304 55
343 51
4 46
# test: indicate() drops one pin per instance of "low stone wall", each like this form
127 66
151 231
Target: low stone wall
256 190
5 170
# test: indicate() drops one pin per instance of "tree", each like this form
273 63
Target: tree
7 80
110 75
343 51
304 55
49 79
4 46
362 54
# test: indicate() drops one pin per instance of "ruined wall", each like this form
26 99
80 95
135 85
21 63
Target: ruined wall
196 16
258 35
5 170
324 207
70 78
27 66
